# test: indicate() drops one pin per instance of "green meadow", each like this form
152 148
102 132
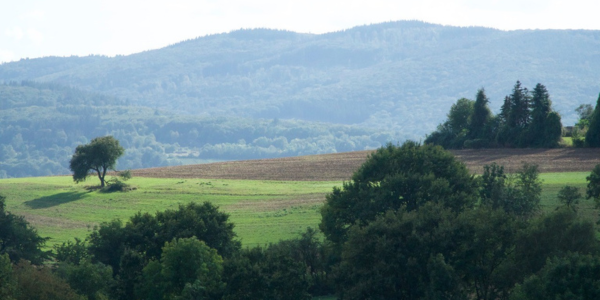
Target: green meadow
263 211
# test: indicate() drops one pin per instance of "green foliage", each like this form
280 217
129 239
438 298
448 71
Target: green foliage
518 114
71 252
188 269
272 272
127 249
38 283
592 136
388 258
493 184
593 186
518 194
575 276
434 253
453 132
459 117
397 177
569 196
530 186
524 121
553 235
545 129
125 175
99 156
8 284
116 185
480 118
18 239
585 112
430 252
93 280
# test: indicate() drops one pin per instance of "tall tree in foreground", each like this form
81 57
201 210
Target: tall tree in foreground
18 239
394 178
592 137
99 156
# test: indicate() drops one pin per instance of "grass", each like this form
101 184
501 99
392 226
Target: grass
263 211
553 182
567 141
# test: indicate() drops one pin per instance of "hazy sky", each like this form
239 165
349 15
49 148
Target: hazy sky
31 28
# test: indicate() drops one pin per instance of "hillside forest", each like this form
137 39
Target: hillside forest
412 223
261 93
42 123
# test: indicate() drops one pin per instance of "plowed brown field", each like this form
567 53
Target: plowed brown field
340 166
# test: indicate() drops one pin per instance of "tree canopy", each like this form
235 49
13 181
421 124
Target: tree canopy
526 119
592 137
18 239
397 177
99 156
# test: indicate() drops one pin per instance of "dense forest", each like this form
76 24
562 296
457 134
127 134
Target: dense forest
42 123
412 223
267 93
372 75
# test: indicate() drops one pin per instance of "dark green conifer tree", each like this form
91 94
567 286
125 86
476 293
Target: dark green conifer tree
519 116
545 128
592 137
480 117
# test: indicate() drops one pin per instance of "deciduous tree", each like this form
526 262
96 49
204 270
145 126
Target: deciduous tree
99 156
18 239
397 177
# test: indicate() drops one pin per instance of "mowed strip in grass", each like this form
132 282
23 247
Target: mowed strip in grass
263 211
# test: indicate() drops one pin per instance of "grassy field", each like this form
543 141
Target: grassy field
263 210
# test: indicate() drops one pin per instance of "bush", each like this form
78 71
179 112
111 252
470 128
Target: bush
116 185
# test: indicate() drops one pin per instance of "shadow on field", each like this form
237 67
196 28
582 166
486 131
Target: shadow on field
54 200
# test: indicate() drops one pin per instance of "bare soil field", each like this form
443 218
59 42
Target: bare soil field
340 166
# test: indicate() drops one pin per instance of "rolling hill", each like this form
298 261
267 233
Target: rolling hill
262 93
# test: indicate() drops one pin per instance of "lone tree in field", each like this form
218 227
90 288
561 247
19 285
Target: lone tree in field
98 157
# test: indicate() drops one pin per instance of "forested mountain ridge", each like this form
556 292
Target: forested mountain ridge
370 75
42 123
263 93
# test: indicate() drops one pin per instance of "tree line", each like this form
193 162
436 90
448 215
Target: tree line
412 223
526 119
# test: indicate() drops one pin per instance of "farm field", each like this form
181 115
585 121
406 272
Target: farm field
340 166
263 210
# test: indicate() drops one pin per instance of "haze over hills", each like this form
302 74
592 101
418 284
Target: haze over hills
389 81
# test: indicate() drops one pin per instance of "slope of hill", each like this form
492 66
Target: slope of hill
401 75
341 166
42 123
263 93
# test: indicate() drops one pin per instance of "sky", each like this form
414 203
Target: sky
31 29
